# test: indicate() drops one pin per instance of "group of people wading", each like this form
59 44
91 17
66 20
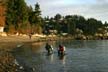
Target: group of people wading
49 49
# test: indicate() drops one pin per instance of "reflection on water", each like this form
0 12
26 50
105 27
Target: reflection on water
81 56
62 58
50 58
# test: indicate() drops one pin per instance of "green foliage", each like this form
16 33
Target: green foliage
35 19
21 16
11 13
57 17
16 13
92 26
22 12
70 23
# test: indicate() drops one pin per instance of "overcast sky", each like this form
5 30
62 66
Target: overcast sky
88 8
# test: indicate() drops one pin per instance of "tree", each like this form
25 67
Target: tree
30 13
105 24
71 23
16 14
36 19
92 26
57 19
10 14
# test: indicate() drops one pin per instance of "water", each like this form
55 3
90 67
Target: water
81 56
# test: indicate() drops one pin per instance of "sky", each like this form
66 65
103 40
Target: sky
88 8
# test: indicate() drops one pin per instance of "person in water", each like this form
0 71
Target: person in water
49 48
61 50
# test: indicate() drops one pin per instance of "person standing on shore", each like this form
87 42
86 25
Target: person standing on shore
30 35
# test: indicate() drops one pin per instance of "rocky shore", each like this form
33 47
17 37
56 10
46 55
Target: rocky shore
8 63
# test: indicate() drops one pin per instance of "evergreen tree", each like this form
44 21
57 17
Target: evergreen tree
30 13
36 19
16 14
37 14
57 18
22 15
11 14
105 24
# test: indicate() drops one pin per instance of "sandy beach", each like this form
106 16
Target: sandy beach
17 39
7 43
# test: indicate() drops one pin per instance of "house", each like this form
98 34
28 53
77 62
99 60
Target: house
1 29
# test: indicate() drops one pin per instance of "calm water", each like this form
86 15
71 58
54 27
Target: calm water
81 56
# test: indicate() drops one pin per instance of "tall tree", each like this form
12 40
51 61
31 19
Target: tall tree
30 13
16 14
92 26
37 19
57 18
11 15
22 15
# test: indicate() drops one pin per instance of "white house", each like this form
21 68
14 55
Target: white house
2 33
1 29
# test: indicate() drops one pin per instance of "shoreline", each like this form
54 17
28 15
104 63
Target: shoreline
16 39
20 39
